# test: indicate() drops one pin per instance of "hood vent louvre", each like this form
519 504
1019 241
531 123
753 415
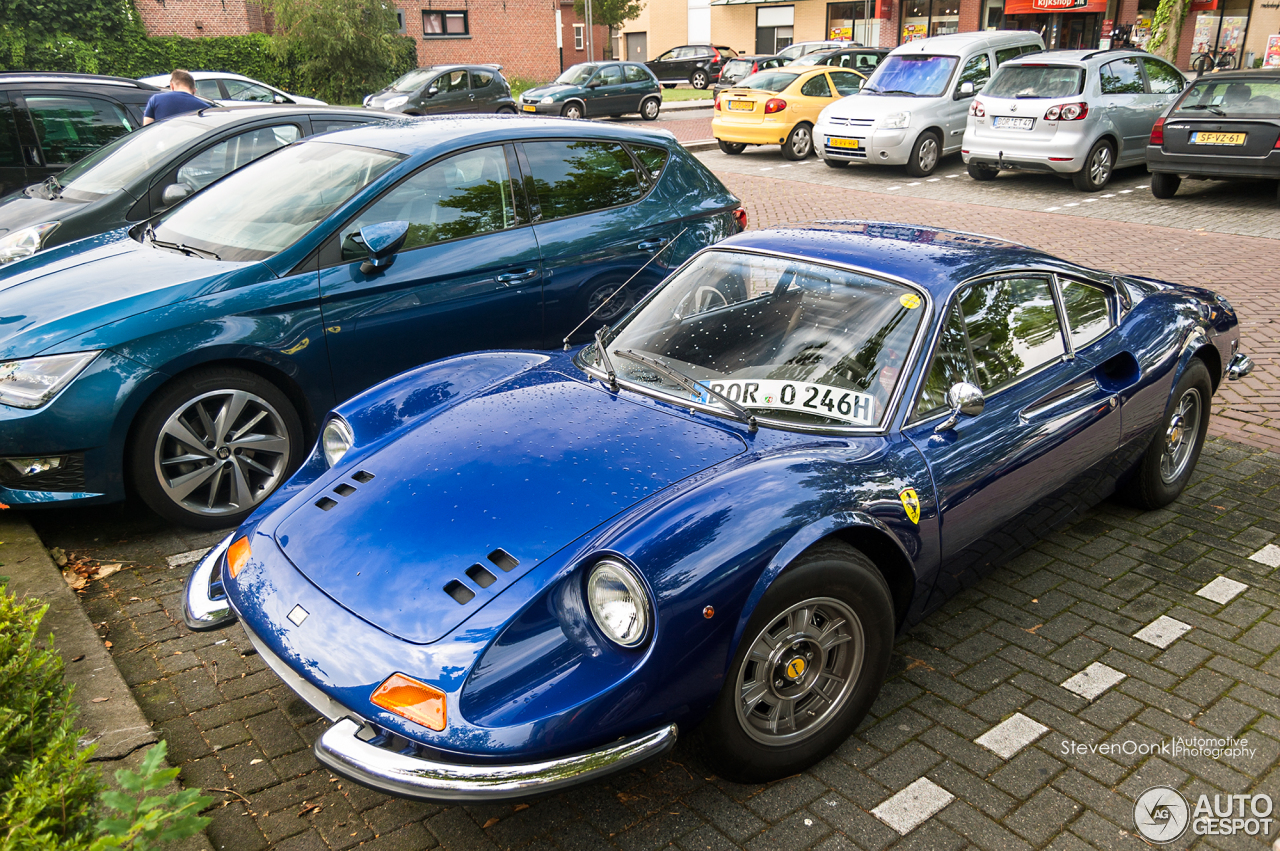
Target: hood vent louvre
504 560
480 576
459 592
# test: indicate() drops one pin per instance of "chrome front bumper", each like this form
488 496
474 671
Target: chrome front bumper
1240 366
341 750
205 603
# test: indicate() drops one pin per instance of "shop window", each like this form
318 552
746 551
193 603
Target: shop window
444 24
855 21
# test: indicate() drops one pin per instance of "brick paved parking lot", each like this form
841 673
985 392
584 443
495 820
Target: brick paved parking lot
994 727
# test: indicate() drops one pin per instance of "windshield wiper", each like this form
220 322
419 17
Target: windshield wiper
692 386
604 358
1210 107
894 92
188 250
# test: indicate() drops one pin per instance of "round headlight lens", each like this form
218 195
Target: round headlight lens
547 99
335 440
392 103
619 603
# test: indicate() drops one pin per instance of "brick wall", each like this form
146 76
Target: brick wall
519 35
200 18
572 55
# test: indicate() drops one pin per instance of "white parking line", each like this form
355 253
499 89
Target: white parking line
1109 195
1091 200
949 176
1163 631
1222 590
934 179
1051 209
1125 191
1072 204
890 188
917 183
1011 735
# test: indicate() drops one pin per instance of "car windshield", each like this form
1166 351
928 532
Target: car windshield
916 75
796 343
767 81
1258 97
1036 81
108 170
414 80
577 75
270 204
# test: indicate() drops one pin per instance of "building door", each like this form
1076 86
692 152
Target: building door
637 47
774 28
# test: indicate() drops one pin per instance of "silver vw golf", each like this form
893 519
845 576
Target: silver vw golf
1071 112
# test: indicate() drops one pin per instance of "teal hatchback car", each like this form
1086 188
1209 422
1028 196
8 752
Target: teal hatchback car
593 89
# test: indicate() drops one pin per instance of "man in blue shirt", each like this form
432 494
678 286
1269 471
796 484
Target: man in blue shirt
179 100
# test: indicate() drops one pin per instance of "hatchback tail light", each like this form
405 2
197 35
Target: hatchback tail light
717 101
977 110
1277 145
1067 112
1157 132
774 105
755 66
740 216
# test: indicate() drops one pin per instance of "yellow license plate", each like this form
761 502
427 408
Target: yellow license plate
742 105
843 143
528 107
1203 138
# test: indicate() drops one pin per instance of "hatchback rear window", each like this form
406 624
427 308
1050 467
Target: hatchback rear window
768 81
1257 97
1036 81
734 67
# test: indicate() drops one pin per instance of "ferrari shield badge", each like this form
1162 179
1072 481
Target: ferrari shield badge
911 502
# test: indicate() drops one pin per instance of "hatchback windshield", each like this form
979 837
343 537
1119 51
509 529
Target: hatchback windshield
797 343
1036 81
268 205
413 81
577 75
767 81
913 75
1234 97
108 170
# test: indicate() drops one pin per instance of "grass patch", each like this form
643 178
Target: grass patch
682 94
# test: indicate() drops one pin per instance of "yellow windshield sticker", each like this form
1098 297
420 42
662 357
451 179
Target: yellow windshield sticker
910 301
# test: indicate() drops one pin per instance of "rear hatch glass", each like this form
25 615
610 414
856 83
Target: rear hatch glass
1235 98
1036 81
736 68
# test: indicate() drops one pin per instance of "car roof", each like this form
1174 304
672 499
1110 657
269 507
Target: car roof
28 77
1081 57
434 136
222 115
964 41
1251 73
935 259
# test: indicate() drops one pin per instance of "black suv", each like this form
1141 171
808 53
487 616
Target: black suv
49 121
446 88
698 64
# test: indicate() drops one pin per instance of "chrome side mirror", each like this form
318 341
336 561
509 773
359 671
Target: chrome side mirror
964 398
382 240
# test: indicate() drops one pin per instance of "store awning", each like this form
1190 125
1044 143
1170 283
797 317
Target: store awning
1032 7
740 2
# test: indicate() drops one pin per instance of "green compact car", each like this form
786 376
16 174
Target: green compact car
592 89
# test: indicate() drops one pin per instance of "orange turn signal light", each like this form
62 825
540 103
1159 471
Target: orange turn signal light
408 698
237 554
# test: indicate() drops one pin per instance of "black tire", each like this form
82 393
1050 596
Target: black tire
506 110
1164 185
669 85
573 109
614 306
982 172
836 163
799 142
699 79
925 154
733 148
217 497
649 108
1170 459
1099 165
830 580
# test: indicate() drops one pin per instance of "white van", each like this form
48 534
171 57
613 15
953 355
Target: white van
914 108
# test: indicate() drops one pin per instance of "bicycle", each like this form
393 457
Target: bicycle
1213 60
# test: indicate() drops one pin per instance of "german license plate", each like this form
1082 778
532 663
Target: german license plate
1005 123
852 144
1203 138
836 403
528 107
742 105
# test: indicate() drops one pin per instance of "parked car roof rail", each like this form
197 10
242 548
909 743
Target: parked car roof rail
71 77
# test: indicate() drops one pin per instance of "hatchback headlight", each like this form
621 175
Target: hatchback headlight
547 99
396 101
25 242
618 602
894 120
32 382
335 440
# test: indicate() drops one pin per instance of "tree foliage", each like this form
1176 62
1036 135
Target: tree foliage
343 48
609 13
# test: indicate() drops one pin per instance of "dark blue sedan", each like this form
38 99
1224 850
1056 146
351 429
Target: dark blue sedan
193 356
508 572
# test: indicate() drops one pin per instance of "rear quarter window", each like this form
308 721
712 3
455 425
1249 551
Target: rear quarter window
572 178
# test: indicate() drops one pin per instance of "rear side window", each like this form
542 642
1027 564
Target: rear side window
816 87
240 90
653 159
846 82
1013 328
480 79
1121 77
208 89
578 177
1004 54
1087 310
324 125
230 154
70 128
10 153
1036 81
636 74
611 75
1164 79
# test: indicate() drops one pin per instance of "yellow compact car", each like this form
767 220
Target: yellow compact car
779 107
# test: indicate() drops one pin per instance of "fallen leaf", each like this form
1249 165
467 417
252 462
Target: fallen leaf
100 699
105 570
135 599
107 644
314 808
58 555
177 653
254 761
518 807
490 823
75 580
78 658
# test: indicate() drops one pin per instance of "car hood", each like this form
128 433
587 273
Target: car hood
526 467
553 91
66 291
376 100
874 106
17 211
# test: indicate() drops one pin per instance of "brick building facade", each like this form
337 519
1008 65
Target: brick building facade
202 18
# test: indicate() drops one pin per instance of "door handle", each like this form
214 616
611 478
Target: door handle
509 278
652 244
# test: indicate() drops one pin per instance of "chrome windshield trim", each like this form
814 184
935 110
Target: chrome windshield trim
341 750
891 407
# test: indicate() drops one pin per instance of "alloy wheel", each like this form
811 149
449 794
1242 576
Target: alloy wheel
1180 436
221 453
1100 166
799 671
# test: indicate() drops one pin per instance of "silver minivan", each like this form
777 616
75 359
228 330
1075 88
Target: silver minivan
913 109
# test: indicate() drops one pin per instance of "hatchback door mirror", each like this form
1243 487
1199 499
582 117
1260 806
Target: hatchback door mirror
594 84
433 91
382 241
174 193
965 399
